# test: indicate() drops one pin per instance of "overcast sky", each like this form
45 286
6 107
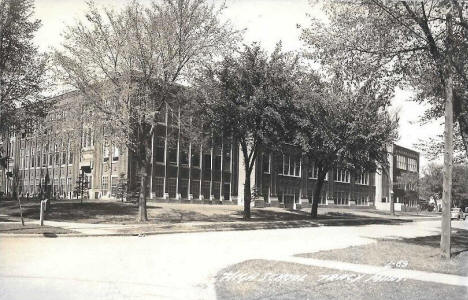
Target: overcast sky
266 21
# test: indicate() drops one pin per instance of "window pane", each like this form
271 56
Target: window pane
196 159
217 162
266 163
227 158
206 161
172 155
184 158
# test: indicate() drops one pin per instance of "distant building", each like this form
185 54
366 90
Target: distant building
182 172
399 180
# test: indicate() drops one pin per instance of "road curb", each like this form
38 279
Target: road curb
264 226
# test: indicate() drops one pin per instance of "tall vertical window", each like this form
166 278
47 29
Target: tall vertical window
195 159
297 167
363 178
105 183
266 163
312 172
401 162
33 159
115 154
172 155
412 165
291 165
21 159
286 165
114 182
206 161
184 157
227 158
342 176
159 149
87 138
217 162
105 152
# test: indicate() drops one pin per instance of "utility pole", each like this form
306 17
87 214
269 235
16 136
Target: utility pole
445 250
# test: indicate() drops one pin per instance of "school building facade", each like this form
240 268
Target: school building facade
182 172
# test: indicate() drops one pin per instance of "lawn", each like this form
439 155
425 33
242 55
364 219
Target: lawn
17 228
421 253
266 279
97 212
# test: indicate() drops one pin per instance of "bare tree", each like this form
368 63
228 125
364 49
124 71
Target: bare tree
127 65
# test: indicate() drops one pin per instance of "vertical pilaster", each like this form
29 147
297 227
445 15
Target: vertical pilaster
165 189
152 165
212 198
221 183
202 177
178 196
189 183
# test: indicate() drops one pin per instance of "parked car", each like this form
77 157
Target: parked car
457 213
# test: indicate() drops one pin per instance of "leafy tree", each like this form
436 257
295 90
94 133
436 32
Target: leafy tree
431 183
122 187
402 42
245 97
127 65
82 186
409 184
16 179
433 148
22 67
342 125
420 44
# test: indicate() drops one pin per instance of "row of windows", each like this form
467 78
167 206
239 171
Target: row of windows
34 161
195 157
341 175
401 162
412 163
292 167
406 186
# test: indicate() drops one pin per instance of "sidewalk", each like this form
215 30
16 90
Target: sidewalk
115 218
88 229
382 271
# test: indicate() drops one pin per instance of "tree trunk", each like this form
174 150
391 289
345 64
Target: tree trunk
247 194
20 208
445 250
142 214
317 192
392 202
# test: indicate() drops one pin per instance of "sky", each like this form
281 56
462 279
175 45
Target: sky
265 21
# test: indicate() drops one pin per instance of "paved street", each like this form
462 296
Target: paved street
172 266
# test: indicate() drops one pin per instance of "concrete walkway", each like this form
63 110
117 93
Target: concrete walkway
89 229
86 228
382 271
